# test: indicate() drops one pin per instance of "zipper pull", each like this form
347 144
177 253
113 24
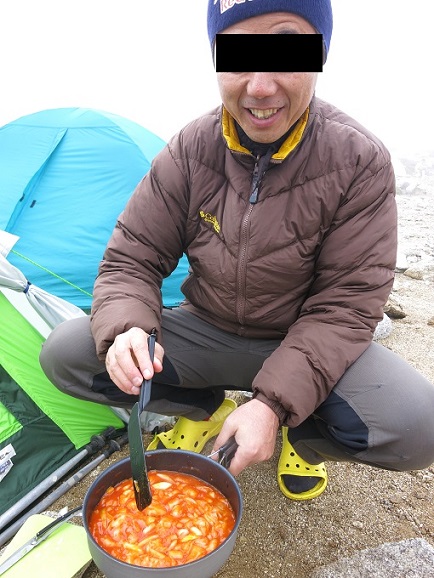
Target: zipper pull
254 190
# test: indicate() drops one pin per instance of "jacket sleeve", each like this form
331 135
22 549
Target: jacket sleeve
144 248
353 278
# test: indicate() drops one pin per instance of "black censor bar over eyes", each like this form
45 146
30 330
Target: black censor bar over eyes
269 53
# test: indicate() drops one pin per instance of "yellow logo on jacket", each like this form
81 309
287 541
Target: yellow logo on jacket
208 218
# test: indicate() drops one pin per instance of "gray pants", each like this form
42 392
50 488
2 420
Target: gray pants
381 412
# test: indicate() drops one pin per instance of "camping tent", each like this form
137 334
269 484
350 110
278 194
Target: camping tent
65 175
44 427
41 428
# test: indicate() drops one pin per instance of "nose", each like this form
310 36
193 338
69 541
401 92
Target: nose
261 84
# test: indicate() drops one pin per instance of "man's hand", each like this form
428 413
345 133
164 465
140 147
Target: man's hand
255 427
128 362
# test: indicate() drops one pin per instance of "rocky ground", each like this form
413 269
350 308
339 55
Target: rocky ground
362 507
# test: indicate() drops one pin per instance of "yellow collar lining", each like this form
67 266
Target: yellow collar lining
231 135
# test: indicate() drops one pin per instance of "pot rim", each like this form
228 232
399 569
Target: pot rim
123 461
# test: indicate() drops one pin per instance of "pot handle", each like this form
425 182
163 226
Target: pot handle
227 452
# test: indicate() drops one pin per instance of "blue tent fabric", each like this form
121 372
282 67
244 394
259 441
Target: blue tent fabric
65 175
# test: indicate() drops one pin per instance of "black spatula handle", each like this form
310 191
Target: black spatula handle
145 390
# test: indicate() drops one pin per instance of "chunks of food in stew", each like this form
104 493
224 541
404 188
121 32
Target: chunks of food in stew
187 519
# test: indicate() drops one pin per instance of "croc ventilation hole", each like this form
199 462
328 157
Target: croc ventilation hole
305 467
182 436
292 454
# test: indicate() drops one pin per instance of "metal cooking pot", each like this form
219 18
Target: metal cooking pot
178 461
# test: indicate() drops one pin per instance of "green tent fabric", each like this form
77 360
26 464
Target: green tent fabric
45 427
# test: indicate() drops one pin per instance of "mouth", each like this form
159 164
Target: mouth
263 114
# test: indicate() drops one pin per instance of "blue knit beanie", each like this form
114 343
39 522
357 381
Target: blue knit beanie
225 13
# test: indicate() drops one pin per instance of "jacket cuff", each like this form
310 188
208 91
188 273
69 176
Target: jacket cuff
277 407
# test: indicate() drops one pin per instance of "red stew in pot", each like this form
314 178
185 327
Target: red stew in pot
187 519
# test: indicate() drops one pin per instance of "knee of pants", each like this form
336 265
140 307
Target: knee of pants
409 449
403 436
394 434
414 444
69 348
51 356
395 403
55 350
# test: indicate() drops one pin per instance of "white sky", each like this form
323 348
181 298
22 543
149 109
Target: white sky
150 61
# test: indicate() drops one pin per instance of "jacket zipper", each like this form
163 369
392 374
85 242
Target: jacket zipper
254 192
242 262
254 189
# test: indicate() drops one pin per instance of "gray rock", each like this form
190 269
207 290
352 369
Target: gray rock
413 558
383 329
401 261
421 270
393 308
414 273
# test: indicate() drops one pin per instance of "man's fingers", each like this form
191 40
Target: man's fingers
127 349
254 426
128 362
138 344
118 376
140 349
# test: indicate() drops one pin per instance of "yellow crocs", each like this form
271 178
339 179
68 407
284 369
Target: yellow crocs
290 463
193 435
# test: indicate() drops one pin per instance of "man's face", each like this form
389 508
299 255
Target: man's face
267 104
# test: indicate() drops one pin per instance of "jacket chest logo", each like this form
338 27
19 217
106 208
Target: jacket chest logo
208 218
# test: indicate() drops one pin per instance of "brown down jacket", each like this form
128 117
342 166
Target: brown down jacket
311 262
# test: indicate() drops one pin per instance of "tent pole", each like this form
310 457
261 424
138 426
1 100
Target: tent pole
114 445
96 443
